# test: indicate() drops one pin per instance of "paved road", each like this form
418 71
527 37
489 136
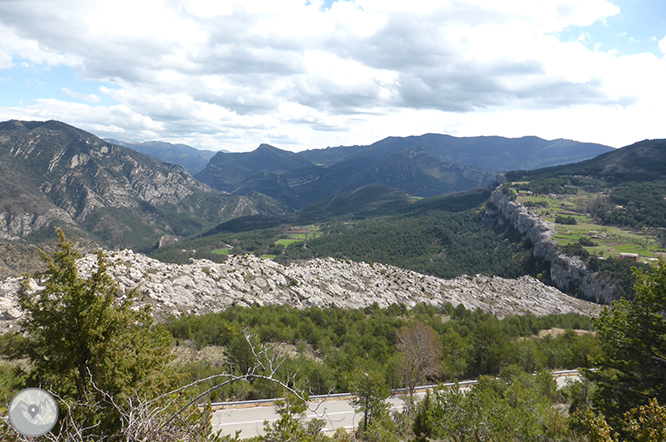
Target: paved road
249 418
337 413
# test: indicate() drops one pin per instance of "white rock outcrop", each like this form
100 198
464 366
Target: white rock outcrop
204 286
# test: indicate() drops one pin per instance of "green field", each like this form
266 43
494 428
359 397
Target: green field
302 234
287 242
608 240
224 251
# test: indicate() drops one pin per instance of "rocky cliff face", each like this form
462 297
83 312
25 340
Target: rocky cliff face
203 286
50 172
567 273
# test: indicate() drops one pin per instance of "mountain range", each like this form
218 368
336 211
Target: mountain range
106 194
423 166
642 161
193 160
466 232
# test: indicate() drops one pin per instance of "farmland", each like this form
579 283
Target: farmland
574 225
298 234
266 243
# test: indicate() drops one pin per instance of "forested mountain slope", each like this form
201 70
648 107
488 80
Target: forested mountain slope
609 213
487 153
428 165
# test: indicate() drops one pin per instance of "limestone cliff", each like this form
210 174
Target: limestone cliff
567 273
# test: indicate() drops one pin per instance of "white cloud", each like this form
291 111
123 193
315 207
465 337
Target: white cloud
551 15
5 61
88 98
662 45
208 8
232 74
13 45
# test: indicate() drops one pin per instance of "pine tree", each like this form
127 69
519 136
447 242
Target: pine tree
633 341
86 343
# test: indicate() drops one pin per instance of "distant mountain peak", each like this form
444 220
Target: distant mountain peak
193 160
228 171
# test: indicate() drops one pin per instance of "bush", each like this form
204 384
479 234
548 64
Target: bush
569 220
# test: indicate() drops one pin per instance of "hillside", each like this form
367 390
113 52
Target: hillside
642 161
599 210
423 166
418 173
623 188
54 174
444 236
498 154
609 212
193 160
226 171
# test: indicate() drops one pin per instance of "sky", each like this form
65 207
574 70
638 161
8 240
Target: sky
304 74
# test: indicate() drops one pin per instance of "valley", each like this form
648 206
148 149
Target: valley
312 271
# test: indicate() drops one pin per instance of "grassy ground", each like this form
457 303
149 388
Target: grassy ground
299 234
608 241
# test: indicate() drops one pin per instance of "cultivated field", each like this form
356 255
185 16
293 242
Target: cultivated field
595 238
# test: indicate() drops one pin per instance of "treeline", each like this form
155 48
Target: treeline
327 344
545 186
633 204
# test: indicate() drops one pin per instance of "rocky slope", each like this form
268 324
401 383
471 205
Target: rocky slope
193 160
567 273
51 172
203 286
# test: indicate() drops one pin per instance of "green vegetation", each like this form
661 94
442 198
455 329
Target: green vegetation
287 242
617 199
599 222
261 242
370 393
103 359
297 235
329 343
570 220
577 222
515 407
440 243
621 271
620 405
633 204
633 337
444 236
91 350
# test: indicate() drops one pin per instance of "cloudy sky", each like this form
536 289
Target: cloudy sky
298 74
